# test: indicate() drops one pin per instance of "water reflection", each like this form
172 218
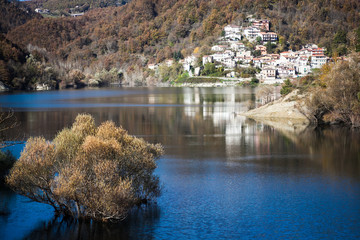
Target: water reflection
138 225
192 122
225 176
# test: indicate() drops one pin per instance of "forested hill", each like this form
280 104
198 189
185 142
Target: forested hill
13 14
159 27
64 5
144 31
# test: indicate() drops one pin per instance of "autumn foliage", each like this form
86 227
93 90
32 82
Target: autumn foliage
335 94
129 37
88 172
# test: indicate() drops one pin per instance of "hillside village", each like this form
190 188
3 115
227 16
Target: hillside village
231 52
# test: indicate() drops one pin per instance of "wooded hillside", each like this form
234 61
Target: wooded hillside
14 14
145 31
65 5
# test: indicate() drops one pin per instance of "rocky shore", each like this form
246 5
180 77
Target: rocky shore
286 112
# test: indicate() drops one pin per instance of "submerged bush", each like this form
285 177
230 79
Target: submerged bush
88 172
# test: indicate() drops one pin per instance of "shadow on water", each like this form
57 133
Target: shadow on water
7 196
139 224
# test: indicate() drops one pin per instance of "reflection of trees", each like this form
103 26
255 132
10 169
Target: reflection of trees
200 122
7 122
336 149
6 200
137 226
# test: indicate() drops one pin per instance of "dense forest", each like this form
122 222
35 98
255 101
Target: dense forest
14 14
106 41
66 5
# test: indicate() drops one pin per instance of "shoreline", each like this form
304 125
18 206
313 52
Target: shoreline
282 112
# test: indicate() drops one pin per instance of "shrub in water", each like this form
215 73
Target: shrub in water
88 172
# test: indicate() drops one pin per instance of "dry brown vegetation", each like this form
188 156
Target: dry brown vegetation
143 31
88 172
335 94
129 37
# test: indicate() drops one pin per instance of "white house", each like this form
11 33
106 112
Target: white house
268 73
229 62
261 48
169 62
268 36
257 62
190 59
77 14
303 69
243 53
207 59
262 24
218 48
40 10
233 37
219 57
251 33
285 72
153 66
229 53
317 51
230 29
317 60
237 46
302 60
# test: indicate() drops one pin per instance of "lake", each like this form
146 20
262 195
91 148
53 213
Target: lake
223 176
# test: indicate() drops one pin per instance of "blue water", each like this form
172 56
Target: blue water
223 176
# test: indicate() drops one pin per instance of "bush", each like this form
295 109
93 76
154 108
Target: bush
254 82
287 87
88 172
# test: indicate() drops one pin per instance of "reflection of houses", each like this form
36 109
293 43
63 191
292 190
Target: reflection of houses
191 97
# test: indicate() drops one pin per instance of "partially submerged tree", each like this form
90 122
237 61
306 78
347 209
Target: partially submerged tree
88 172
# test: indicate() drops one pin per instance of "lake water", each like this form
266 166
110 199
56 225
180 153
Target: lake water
224 176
